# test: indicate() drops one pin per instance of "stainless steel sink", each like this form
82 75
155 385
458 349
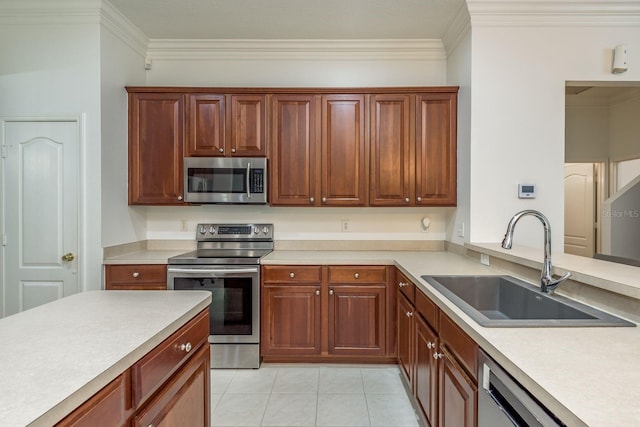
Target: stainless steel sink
504 301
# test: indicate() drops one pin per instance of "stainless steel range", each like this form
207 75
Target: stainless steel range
226 262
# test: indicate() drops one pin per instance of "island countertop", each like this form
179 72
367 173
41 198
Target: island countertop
58 355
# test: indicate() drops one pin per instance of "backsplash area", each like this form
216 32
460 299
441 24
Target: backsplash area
304 223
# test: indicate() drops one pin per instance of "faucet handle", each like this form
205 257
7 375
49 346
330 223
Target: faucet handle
554 283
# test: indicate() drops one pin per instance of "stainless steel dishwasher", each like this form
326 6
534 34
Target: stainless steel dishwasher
504 402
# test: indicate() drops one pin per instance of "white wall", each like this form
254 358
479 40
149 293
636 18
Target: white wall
302 223
52 69
459 74
587 134
120 65
625 129
517 132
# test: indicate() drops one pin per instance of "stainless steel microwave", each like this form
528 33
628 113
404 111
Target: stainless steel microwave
232 180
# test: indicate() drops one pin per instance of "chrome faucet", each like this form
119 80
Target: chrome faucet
547 282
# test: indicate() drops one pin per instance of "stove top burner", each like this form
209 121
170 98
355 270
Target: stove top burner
228 244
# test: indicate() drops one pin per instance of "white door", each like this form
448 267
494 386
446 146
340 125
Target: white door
579 209
40 211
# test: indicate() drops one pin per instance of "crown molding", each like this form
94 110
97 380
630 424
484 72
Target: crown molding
456 32
256 50
550 13
118 24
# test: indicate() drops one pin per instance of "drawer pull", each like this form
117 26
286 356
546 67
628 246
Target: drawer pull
292 275
185 347
357 275
135 274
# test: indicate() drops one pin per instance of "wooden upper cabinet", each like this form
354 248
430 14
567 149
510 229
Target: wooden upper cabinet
344 151
247 126
206 125
436 159
294 150
391 182
156 135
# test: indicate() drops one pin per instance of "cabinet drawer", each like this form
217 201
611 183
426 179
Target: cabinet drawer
358 274
459 344
157 366
427 309
406 286
110 406
292 274
136 273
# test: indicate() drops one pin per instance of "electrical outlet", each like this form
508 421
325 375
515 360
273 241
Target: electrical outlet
460 229
346 225
183 225
484 259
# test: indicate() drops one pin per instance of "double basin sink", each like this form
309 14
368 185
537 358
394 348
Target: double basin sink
504 301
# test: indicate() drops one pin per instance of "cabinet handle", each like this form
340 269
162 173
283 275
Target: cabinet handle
317 291
186 347
409 313
179 197
135 274
221 150
233 150
357 275
438 356
418 199
311 199
403 284
407 200
324 199
292 275
430 345
330 291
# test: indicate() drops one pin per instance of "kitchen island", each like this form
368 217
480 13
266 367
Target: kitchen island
58 355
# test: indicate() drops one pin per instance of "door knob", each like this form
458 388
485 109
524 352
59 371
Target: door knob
68 257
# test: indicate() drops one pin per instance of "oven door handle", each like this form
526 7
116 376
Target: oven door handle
212 270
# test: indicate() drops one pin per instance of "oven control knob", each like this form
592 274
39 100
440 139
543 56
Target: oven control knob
265 230
202 230
255 230
212 230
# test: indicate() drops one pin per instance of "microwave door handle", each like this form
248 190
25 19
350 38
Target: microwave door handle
248 180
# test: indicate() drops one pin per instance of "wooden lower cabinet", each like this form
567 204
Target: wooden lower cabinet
327 313
170 386
291 320
135 277
439 363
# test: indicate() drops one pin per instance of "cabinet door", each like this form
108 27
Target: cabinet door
156 134
458 394
436 155
294 151
248 127
205 125
426 370
290 319
405 336
184 400
357 320
391 151
344 152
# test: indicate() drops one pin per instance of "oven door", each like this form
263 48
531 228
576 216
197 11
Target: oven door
235 291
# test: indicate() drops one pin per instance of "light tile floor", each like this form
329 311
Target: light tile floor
310 395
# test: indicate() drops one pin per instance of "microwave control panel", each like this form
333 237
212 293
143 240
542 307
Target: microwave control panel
257 181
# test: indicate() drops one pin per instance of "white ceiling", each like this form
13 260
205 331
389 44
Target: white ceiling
291 19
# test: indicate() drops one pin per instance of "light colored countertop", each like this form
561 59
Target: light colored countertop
157 256
586 376
58 355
